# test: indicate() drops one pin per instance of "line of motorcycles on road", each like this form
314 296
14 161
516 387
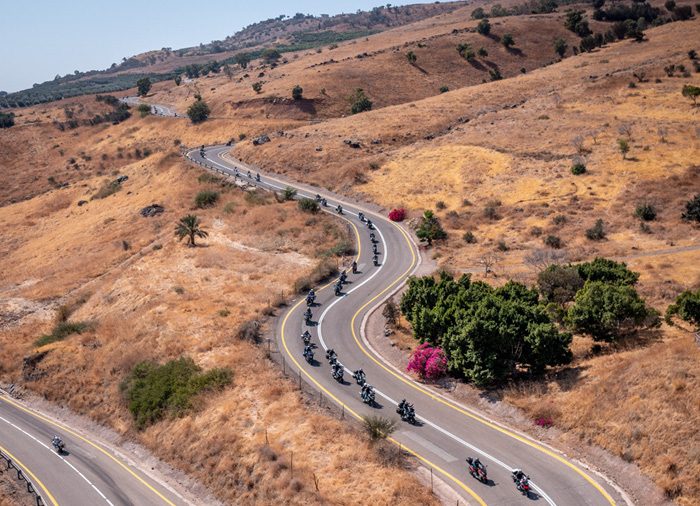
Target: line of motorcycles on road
367 393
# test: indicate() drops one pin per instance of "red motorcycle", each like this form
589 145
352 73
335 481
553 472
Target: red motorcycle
477 470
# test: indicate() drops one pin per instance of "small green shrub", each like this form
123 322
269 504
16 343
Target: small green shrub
553 241
469 238
230 207
144 109
308 205
444 89
645 212
154 390
378 427
62 330
578 168
289 193
597 231
206 198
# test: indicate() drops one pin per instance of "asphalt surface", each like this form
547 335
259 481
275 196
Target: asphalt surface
447 432
87 473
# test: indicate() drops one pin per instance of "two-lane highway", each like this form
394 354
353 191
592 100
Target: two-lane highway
448 432
87 473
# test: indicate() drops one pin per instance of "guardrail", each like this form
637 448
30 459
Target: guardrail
9 464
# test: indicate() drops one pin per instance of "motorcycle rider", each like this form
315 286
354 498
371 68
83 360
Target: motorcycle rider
359 376
307 315
354 267
375 260
306 337
338 289
249 175
343 276
361 216
374 249
372 237
331 356
57 443
257 177
521 481
308 353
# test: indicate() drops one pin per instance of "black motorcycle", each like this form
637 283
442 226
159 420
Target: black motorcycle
309 353
306 337
338 289
360 377
337 372
58 444
406 412
375 260
367 394
331 356
339 209
370 225
307 317
354 267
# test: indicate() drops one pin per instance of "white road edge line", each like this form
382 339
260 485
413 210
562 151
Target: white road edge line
60 457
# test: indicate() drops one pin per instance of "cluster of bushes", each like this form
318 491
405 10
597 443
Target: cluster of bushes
360 102
491 334
120 113
206 198
530 7
686 307
487 333
154 390
61 330
75 85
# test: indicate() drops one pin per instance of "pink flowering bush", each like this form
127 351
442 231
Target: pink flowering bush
397 214
428 362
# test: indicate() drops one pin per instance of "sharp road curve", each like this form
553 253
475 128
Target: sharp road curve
91 472
447 432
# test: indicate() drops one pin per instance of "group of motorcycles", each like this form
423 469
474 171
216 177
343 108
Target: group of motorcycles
478 471
367 393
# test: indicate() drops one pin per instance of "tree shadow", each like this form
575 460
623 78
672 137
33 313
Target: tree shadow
419 68
516 51
306 105
476 64
569 377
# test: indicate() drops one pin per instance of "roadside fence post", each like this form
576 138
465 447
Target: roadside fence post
431 480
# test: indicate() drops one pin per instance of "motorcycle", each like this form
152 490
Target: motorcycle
339 209
374 249
318 198
338 372
343 277
257 177
406 412
309 353
311 298
361 216
338 289
375 260
58 444
354 267
477 470
367 394
249 175
331 356
360 377
306 337
522 482
372 237
370 225
307 317
324 202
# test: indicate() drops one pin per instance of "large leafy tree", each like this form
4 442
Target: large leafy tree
609 271
487 333
430 229
686 307
198 112
607 311
144 86
189 226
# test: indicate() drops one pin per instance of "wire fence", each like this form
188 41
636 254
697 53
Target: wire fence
7 465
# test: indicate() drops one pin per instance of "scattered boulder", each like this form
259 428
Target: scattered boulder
81 203
376 141
121 179
261 140
319 148
152 210
353 143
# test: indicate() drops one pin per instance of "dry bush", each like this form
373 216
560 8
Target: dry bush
323 270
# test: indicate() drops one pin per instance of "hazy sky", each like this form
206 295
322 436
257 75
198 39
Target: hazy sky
42 38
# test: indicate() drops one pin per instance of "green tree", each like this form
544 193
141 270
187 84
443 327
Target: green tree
411 57
607 311
359 102
588 44
177 80
692 209
623 146
198 112
691 92
686 307
465 51
482 52
144 109
430 229
297 92
607 271
478 13
560 47
308 205
228 71
484 27
189 226
257 86
289 193
559 283
597 231
507 40
271 55
576 22
242 59
7 119
144 86
645 211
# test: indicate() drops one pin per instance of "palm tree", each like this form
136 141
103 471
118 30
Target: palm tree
189 227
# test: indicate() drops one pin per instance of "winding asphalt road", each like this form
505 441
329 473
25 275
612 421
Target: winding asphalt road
89 473
447 432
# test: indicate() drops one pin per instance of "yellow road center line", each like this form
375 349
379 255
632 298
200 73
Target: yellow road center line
97 447
35 480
